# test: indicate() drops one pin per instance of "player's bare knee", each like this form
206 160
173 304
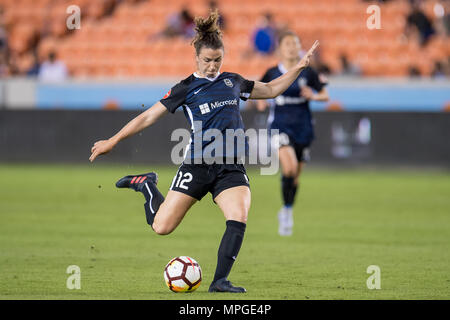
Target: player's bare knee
161 228
240 218
240 215
294 171
290 172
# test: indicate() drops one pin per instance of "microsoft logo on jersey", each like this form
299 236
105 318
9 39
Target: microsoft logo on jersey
205 108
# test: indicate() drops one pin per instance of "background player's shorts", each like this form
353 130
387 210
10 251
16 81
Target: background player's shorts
196 180
301 150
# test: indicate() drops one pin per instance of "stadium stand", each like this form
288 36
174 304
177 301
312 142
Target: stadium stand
116 38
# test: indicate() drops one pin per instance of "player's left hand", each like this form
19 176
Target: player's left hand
307 93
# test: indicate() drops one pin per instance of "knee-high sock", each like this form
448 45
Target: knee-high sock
229 248
288 190
294 192
154 199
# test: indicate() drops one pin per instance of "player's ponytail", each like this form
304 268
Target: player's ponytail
208 32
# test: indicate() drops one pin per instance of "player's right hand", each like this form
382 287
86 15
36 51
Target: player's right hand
101 147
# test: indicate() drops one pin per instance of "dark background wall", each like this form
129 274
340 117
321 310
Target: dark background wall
382 138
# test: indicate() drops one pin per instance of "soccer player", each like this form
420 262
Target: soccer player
210 98
291 115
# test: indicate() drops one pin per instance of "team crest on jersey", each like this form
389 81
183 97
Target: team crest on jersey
228 82
168 94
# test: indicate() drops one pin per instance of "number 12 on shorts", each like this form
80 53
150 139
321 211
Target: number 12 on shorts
180 180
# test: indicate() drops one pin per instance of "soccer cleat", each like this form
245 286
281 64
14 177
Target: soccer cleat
137 182
285 221
223 285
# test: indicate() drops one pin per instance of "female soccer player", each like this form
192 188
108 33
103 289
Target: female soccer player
290 114
209 99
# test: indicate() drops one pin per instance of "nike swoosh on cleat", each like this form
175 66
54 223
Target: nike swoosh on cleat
195 92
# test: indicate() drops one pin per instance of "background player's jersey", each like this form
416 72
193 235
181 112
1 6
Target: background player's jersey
290 112
211 104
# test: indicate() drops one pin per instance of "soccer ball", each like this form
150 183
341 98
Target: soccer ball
183 274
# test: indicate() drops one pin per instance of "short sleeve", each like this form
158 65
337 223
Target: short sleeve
246 87
175 97
313 80
267 77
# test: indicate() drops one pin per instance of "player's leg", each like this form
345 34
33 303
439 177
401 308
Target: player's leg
171 211
235 204
146 184
289 171
303 156
164 214
297 176
288 161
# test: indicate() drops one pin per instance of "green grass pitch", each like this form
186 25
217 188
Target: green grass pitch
345 220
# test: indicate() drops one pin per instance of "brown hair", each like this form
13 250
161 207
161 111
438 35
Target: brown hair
285 34
208 32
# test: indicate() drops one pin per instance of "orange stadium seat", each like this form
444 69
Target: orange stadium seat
125 43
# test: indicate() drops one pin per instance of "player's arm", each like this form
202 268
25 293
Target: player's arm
142 121
322 95
277 86
261 105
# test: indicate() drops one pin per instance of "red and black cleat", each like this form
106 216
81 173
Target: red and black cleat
138 181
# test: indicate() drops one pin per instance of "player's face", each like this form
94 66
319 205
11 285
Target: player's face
209 61
290 48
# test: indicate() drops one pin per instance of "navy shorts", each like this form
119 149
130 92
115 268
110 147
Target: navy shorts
301 150
196 180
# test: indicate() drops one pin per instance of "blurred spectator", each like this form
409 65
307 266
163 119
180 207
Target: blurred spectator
4 69
33 71
446 21
3 34
442 22
4 51
264 37
348 68
11 63
441 69
52 70
180 24
417 21
212 7
438 70
414 72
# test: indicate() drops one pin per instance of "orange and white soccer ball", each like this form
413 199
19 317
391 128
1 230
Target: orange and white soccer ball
183 274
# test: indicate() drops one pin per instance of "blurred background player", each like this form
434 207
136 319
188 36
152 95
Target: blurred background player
198 175
401 175
291 115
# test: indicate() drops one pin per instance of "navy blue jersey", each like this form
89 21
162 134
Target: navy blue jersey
212 106
290 112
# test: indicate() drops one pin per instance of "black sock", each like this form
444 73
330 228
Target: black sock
294 192
229 248
154 199
288 189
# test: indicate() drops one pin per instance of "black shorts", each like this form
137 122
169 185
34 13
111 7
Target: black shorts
301 150
196 180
